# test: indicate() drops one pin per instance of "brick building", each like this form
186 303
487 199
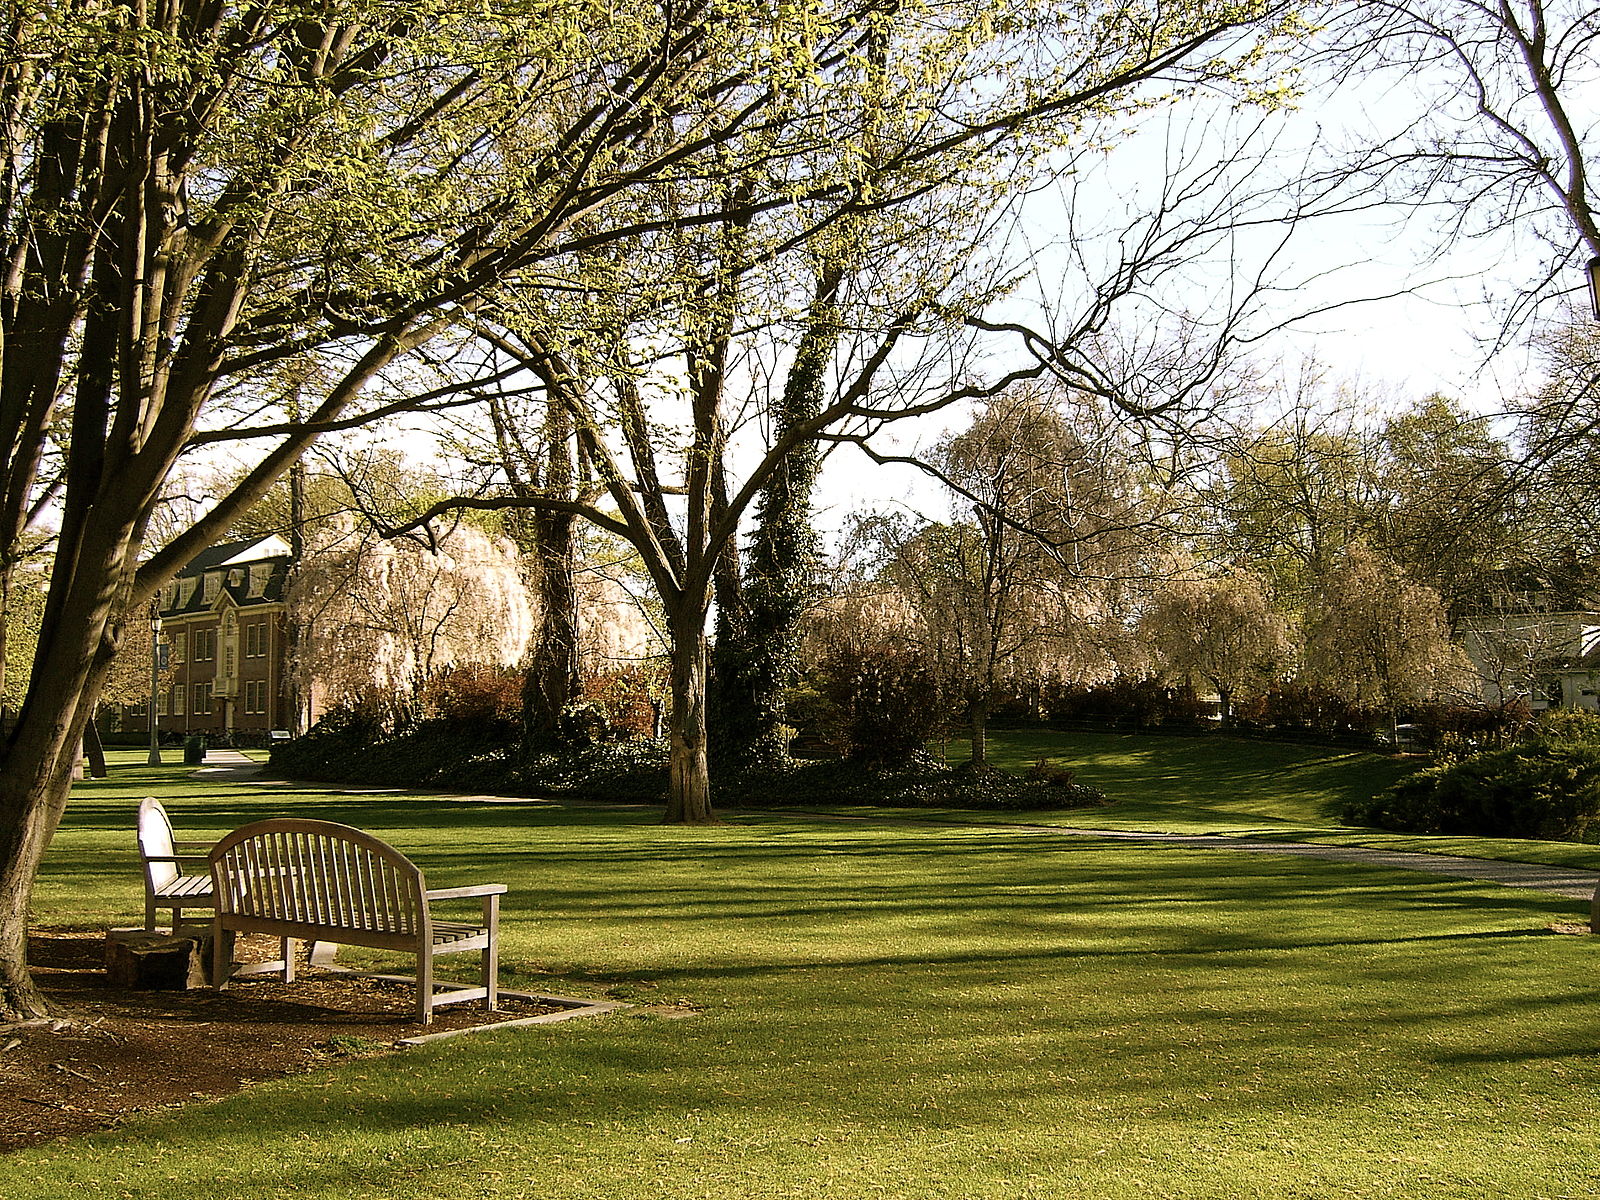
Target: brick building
225 628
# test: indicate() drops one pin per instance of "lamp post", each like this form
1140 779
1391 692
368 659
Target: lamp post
1594 287
155 681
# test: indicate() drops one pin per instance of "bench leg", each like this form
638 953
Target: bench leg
221 956
286 947
425 985
491 953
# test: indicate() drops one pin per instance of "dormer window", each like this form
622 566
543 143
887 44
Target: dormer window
259 574
213 586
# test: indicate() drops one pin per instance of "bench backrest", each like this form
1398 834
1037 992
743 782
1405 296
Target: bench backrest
318 873
155 844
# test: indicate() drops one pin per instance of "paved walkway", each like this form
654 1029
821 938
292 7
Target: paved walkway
232 766
229 765
1562 881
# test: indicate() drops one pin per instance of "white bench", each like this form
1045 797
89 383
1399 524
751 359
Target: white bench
166 883
323 882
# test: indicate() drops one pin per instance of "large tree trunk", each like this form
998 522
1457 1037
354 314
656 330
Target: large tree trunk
689 788
35 782
77 639
33 802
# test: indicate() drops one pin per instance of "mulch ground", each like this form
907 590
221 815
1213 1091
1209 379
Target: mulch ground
119 1051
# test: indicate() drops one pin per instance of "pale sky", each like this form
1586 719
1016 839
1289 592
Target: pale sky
1408 323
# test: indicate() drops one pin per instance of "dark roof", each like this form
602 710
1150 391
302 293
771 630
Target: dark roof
231 566
261 549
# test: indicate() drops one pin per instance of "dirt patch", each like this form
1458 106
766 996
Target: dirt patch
125 1051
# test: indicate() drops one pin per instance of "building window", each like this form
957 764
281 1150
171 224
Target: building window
161 703
255 695
178 639
177 699
213 585
205 645
260 573
255 640
202 699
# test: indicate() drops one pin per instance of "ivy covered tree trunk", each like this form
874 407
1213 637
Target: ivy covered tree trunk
731 701
978 721
553 678
544 467
758 634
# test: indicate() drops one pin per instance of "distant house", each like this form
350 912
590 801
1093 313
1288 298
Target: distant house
1538 642
225 628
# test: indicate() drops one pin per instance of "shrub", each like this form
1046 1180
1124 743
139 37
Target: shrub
584 723
1052 771
1537 790
813 719
352 746
921 782
630 699
1291 706
489 697
630 771
1455 729
1144 703
1566 727
884 703
320 753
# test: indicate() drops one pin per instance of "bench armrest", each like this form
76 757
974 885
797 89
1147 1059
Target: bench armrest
460 893
194 845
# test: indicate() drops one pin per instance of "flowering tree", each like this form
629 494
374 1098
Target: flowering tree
382 617
1222 630
1036 581
1376 638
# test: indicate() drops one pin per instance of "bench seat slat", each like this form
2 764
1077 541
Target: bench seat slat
186 887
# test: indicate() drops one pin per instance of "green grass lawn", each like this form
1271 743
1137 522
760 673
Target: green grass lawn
1202 784
896 1011
1234 785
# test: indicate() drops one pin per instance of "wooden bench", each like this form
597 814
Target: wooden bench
166 883
323 882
